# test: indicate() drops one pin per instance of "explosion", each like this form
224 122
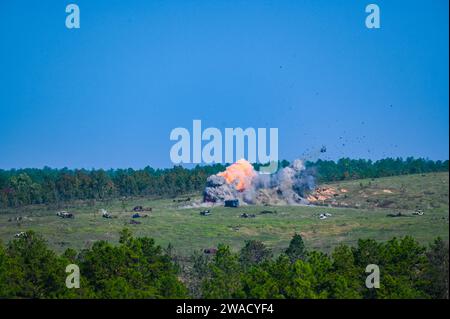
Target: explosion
241 181
240 173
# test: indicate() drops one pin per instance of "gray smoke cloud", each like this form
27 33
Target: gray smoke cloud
287 186
217 189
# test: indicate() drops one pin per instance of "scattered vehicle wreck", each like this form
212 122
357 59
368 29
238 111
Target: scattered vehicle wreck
105 213
137 215
232 203
399 214
324 215
64 214
245 215
264 212
142 209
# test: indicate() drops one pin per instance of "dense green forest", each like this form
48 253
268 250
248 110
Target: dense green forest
137 268
20 187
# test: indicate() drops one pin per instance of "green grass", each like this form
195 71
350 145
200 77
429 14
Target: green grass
425 191
186 230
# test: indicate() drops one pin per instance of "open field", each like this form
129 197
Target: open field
187 230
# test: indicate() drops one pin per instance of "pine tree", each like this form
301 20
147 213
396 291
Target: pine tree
296 249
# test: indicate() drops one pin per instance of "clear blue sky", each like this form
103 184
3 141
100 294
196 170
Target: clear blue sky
108 94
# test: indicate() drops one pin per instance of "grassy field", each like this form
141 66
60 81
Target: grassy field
361 213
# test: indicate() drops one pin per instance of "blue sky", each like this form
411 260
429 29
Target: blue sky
108 94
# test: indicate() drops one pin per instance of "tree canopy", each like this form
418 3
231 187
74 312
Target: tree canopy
138 268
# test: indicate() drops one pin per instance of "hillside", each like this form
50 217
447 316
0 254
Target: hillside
363 211
409 192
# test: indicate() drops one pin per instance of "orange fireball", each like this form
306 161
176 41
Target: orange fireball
241 173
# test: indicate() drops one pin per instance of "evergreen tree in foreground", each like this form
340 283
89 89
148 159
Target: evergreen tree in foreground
296 249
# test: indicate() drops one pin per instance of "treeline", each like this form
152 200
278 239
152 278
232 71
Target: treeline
137 268
47 186
346 168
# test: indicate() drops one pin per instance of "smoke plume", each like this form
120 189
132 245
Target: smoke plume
240 181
